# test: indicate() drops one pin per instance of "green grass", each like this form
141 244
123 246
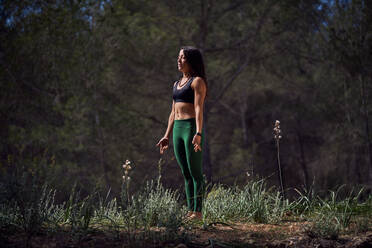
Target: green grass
26 207
251 203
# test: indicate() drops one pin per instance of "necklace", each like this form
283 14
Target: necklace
187 79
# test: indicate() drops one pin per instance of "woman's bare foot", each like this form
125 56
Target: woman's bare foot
196 215
189 213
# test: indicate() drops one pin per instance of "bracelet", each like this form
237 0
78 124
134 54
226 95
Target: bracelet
199 134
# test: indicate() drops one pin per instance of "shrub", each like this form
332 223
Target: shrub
157 206
253 202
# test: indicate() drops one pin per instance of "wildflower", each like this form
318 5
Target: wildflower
277 131
126 165
277 137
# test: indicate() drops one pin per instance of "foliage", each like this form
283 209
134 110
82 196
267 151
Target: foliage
159 207
87 84
251 203
32 209
333 215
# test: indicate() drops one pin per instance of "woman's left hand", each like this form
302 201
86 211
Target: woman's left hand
196 142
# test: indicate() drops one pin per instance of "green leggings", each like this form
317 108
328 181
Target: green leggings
189 161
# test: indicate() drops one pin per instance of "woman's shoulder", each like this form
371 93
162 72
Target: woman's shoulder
198 78
197 81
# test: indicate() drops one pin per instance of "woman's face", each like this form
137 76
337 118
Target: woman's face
183 66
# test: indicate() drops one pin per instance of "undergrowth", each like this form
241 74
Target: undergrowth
156 213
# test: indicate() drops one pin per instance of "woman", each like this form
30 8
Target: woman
186 120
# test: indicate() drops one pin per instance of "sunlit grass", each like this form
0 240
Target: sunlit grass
31 209
254 202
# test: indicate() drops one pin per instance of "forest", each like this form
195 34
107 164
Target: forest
87 85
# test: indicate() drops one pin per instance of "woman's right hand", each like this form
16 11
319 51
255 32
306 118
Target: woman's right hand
163 144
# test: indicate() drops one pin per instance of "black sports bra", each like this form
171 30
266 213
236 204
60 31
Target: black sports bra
185 94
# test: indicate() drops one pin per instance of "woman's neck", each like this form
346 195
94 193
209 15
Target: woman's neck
186 74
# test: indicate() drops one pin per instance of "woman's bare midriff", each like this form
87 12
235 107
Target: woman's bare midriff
184 110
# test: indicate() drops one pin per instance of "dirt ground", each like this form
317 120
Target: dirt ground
289 234
218 235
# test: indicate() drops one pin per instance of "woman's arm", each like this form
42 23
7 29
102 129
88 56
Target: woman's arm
200 91
164 142
170 122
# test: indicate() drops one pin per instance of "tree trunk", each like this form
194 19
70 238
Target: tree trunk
102 154
303 159
364 95
101 145
349 121
205 7
243 110
352 161
206 150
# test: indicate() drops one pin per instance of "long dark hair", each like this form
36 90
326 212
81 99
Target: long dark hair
195 59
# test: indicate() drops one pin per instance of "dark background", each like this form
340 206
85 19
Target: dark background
85 85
